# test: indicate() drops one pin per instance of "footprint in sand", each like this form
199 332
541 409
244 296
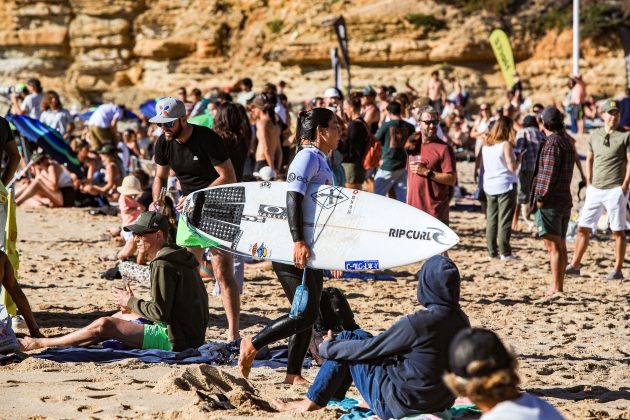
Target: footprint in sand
90 408
55 399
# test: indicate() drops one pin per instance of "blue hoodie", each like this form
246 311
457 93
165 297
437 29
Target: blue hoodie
414 351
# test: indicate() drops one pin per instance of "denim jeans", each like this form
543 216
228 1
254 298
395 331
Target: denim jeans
385 180
335 377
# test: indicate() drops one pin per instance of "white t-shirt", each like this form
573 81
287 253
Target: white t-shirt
58 120
497 177
32 105
525 407
104 115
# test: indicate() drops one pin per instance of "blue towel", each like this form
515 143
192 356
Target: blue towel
217 354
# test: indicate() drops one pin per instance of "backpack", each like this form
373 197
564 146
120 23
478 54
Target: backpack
334 314
373 150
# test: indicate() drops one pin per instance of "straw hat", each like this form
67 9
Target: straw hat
130 186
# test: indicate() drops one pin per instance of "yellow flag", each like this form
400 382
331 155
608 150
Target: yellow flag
503 52
11 247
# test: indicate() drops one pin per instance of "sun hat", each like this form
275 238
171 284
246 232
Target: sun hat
331 93
476 352
258 102
266 173
130 186
168 109
610 105
108 149
149 221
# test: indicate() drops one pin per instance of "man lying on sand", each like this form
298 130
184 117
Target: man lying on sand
178 308
483 370
10 284
398 372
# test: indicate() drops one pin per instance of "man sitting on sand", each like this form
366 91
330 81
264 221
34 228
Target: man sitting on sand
482 369
11 286
178 308
398 372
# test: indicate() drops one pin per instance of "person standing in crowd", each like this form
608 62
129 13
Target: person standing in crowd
246 95
356 142
268 131
318 134
369 111
436 91
399 372
55 115
8 146
393 135
528 140
182 94
608 180
103 125
32 103
550 196
482 369
499 185
431 169
577 101
516 91
198 103
199 159
624 111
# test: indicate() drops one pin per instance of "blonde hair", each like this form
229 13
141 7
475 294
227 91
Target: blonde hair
501 131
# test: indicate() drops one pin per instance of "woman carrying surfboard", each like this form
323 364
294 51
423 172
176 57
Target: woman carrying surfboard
318 134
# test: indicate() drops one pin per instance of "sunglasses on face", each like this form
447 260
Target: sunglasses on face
607 140
167 125
142 234
429 122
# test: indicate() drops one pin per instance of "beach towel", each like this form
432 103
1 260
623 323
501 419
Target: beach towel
462 407
216 354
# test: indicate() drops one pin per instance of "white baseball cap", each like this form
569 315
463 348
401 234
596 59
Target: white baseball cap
331 93
168 109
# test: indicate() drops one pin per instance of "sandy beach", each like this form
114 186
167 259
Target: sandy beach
573 349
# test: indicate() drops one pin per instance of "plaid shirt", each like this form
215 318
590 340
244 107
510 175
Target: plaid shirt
527 144
553 173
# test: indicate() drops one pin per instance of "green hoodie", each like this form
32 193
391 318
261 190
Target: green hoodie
179 298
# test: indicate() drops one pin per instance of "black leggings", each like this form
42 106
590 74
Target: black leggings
298 330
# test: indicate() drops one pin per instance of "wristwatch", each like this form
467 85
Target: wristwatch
430 174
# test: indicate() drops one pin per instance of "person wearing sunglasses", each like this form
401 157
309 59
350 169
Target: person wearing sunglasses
176 316
431 168
200 160
608 180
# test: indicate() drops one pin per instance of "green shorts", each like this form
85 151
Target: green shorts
155 337
551 222
355 174
187 237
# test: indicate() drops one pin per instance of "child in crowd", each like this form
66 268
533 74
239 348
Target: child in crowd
130 210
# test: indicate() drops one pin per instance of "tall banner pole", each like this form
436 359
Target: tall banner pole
624 32
334 59
342 36
576 37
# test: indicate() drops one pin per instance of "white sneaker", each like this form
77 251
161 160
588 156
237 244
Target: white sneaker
509 258
18 323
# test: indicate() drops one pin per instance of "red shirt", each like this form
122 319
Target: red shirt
425 194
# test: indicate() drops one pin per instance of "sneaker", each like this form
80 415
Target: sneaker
615 275
18 323
572 271
509 258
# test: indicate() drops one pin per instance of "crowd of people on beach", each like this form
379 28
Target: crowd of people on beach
402 144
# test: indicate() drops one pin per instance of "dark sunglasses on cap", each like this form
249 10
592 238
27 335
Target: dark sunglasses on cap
429 122
167 124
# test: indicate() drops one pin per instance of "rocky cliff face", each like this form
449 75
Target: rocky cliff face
131 50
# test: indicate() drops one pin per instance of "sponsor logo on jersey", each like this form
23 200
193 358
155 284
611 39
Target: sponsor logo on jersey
272 212
292 177
361 265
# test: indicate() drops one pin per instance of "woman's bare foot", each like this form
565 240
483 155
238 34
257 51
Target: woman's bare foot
552 291
301 405
246 356
28 344
295 380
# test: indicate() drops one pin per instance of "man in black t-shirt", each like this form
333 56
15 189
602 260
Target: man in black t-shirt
8 145
200 160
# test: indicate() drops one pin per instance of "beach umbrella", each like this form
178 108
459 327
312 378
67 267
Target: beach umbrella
147 108
205 120
48 139
128 115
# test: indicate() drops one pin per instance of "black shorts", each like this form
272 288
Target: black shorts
259 165
68 194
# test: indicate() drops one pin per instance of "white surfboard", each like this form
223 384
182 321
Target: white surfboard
353 230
